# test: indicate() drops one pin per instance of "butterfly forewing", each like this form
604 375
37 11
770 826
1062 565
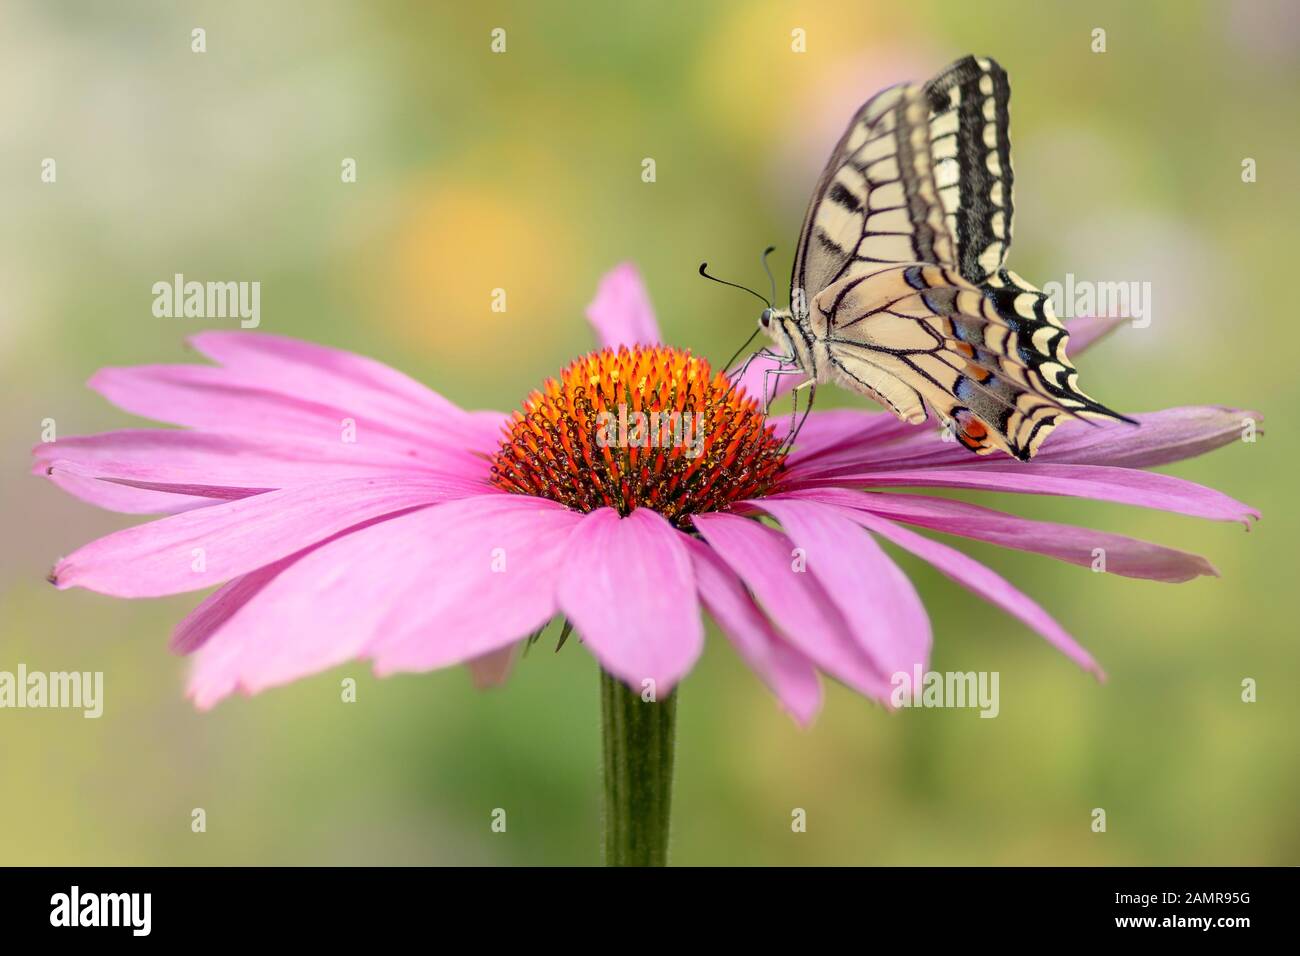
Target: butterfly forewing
876 202
970 144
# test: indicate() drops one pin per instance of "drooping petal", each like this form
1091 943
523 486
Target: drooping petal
872 593
982 581
795 601
628 586
392 583
786 672
303 614
199 625
1122 555
222 604
1122 485
492 579
200 548
621 313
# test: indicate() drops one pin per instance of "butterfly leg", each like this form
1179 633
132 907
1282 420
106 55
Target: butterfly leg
738 373
811 385
768 373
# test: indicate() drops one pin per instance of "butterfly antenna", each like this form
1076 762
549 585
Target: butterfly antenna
705 265
768 269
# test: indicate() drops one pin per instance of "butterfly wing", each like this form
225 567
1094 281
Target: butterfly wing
994 366
970 147
923 177
876 201
922 174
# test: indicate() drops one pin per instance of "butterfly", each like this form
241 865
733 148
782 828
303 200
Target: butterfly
899 289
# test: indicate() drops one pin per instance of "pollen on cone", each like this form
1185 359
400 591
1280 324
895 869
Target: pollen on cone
646 427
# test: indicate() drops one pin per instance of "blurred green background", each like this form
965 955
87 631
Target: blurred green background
523 171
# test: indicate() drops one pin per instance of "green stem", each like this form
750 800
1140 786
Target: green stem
638 740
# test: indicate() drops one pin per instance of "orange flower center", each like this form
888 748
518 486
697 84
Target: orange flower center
646 427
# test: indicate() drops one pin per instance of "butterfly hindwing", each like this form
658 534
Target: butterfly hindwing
1040 341
922 333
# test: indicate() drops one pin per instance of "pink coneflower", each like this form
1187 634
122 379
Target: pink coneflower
352 512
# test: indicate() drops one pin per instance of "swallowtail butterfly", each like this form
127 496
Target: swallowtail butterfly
899 289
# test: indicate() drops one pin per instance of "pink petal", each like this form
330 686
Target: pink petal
786 672
839 429
222 459
981 580
391 588
1086 331
228 402
308 368
493 668
628 586
796 602
176 464
498 561
1159 438
121 498
197 549
1123 485
871 592
305 613
222 604
145 478
1123 555
621 313
199 625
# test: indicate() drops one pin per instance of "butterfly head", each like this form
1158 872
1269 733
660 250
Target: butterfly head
777 324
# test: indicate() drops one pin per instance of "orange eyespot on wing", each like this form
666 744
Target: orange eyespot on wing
972 433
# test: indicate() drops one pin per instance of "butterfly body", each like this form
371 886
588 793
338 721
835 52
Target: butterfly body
899 290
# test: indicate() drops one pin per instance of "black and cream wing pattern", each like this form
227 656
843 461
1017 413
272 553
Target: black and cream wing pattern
900 277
